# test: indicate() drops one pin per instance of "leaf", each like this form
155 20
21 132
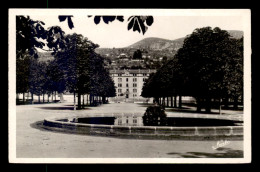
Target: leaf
108 19
97 19
149 20
120 18
70 23
136 26
130 18
42 23
130 24
141 23
62 18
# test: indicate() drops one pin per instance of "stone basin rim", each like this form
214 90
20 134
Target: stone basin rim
54 120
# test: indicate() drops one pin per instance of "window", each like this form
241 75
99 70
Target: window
119 74
120 90
126 79
134 85
134 79
119 121
119 79
135 90
126 85
119 85
134 74
144 74
134 121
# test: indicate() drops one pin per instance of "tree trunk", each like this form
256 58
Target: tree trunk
55 95
180 101
52 96
163 101
198 104
175 101
235 103
39 100
219 106
226 102
156 100
103 99
208 105
48 98
43 98
32 98
83 101
79 101
74 101
171 101
23 97
167 99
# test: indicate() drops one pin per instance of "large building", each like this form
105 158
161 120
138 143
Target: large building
129 83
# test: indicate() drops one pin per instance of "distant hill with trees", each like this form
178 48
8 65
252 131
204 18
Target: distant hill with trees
161 44
158 44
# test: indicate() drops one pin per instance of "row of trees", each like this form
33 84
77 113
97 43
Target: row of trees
76 67
38 78
83 69
208 66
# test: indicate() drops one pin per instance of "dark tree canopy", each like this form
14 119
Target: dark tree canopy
137 54
207 58
31 34
209 65
76 66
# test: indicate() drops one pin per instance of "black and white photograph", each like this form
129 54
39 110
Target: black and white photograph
129 86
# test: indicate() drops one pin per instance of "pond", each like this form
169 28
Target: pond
170 121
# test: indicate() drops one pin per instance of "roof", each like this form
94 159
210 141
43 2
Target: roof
133 71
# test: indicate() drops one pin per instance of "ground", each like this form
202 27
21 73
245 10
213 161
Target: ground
34 143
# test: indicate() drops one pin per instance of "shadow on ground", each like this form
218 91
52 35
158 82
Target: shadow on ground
188 110
228 153
61 108
144 105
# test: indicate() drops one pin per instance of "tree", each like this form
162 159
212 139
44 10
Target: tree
31 34
167 81
83 69
37 78
206 58
22 75
209 65
55 78
137 54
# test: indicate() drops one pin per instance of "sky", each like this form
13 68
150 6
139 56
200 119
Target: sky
116 35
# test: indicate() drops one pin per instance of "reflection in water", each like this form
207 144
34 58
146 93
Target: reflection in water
129 121
171 121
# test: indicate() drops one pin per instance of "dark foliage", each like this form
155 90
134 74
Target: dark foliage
154 116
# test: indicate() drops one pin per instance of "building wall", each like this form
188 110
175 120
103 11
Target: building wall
130 81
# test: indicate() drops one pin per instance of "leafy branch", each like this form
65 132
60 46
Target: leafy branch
137 23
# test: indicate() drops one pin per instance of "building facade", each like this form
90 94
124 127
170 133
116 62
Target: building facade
129 83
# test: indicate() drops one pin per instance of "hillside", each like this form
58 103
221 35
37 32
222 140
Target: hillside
157 44
161 44
236 33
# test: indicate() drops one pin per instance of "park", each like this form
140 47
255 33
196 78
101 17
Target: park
69 106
